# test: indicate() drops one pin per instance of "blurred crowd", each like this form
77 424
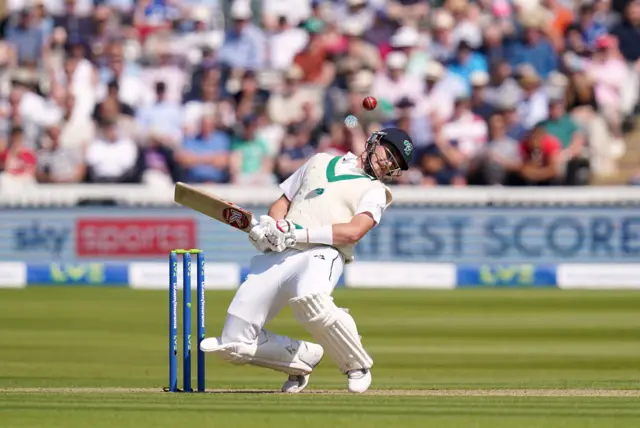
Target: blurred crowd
493 92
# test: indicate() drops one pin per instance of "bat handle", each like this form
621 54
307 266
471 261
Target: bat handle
254 222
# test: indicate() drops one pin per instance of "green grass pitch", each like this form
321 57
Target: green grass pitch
492 358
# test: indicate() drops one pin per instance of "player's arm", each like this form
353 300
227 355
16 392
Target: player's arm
279 209
338 234
367 215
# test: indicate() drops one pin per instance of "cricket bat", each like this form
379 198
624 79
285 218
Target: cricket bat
214 207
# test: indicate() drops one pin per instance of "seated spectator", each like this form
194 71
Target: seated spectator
59 164
534 48
284 43
204 158
359 53
590 28
468 130
17 161
315 60
572 141
162 120
436 169
296 150
286 102
113 90
626 32
250 161
466 62
534 104
111 158
27 40
501 84
407 41
77 25
443 46
610 75
500 158
479 105
541 160
393 83
205 97
244 45
250 97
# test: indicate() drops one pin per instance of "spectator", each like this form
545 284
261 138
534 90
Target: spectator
112 158
284 42
466 62
205 157
27 40
285 105
250 161
58 164
443 46
436 168
572 141
314 60
534 104
479 106
76 26
590 28
610 76
534 48
161 121
113 91
359 53
501 83
393 83
76 130
244 46
628 35
541 159
17 161
250 97
193 110
500 159
466 131
295 152
407 40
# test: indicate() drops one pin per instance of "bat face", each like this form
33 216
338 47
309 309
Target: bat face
214 207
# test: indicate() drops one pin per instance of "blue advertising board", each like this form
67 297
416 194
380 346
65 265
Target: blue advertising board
473 236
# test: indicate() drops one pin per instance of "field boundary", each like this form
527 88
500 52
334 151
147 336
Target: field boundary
383 392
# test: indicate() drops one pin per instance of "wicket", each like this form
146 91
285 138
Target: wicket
186 319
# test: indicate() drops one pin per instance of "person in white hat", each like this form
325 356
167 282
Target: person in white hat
393 83
408 40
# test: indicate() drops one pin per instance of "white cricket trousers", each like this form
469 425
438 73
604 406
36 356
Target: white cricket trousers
274 279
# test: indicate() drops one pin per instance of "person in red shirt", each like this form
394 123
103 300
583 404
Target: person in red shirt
17 159
541 159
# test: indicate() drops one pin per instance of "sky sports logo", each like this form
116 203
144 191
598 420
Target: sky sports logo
133 237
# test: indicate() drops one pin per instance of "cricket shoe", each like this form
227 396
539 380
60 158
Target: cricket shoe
312 355
359 380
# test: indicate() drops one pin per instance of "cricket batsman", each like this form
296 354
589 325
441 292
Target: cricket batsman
310 232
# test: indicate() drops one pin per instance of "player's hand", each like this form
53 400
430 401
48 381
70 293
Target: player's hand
273 237
287 227
257 234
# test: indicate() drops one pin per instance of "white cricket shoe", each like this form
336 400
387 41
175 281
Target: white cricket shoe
311 354
359 380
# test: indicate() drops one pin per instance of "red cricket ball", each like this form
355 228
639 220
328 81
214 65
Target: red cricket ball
369 103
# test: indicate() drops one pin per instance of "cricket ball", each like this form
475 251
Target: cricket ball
369 103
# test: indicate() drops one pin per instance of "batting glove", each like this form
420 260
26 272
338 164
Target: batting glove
257 234
287 227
